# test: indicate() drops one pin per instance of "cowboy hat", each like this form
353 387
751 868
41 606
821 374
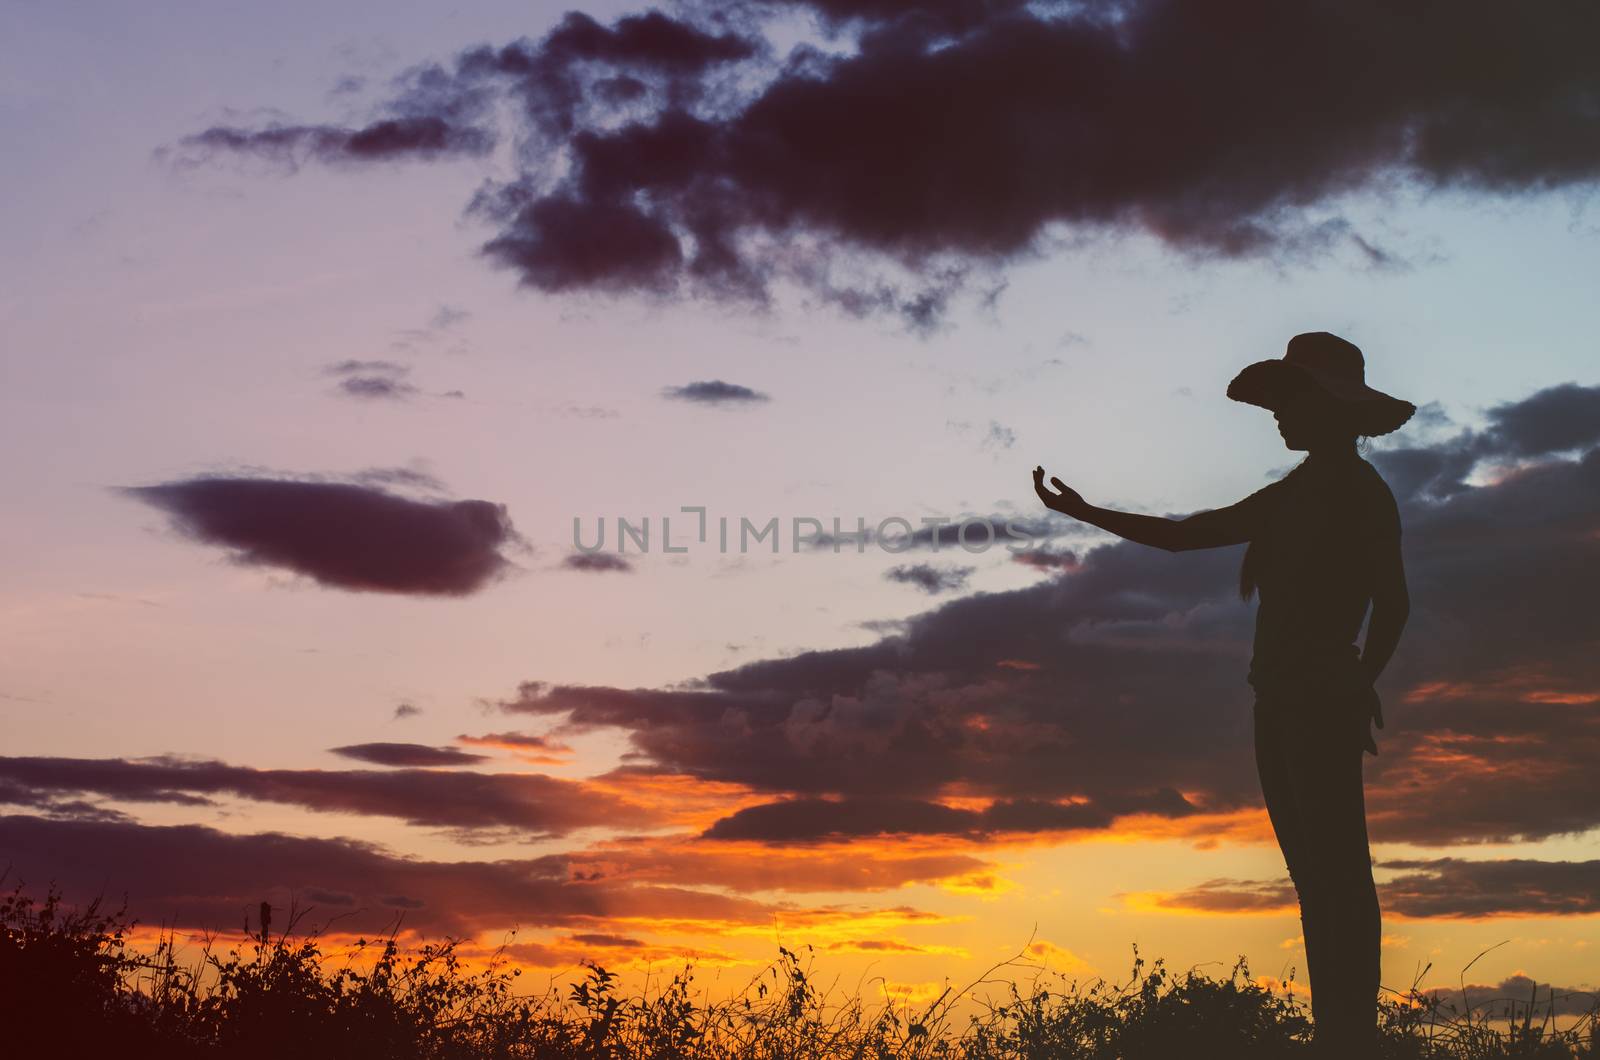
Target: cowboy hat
1320 361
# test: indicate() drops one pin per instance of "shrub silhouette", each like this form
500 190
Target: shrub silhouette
71 986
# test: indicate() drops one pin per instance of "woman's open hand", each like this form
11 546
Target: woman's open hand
1067 502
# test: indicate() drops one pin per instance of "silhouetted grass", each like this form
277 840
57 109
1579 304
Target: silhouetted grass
71 987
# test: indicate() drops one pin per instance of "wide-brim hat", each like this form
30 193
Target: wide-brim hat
1322 362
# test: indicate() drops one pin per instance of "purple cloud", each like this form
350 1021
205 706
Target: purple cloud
342 535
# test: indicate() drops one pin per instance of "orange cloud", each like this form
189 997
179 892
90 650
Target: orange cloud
541 750
1218 897
1526 683
1575 699
569 952
1283 986
1059 958
1243 826
893 946
981 885
683 800
864 865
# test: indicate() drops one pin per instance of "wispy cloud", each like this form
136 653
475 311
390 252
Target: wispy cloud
597 562
929 578
450 799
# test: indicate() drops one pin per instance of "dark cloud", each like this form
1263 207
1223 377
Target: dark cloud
1232 896
406 710
607 941
195 877
714 392
459 800
1453 887
597 562
1431 889
804 820
381 380
1518 990
929 578
56 806
663 155
992 694
292 145
430 114
342 535
1557 419
400 901
1124 677
652 42
407 754
875 946
620 89
381 387
948 16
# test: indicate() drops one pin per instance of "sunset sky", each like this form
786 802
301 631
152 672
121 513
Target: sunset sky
321 325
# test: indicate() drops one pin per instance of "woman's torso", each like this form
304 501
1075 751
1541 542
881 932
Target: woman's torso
1313 560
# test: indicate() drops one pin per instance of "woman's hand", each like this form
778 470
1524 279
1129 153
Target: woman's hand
1067 502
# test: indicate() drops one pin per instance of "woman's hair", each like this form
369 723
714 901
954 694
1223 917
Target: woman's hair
1247 572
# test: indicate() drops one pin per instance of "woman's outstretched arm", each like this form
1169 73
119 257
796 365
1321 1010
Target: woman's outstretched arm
1232 525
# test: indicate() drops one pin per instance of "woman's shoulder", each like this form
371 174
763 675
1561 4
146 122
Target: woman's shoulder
1378 499
1372 479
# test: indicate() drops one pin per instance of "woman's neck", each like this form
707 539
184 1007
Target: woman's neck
1332 452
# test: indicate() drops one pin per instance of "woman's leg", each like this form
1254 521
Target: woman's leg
1277 790
1328 786
1310 769
1274 766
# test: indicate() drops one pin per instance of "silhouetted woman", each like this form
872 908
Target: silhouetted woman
1324 543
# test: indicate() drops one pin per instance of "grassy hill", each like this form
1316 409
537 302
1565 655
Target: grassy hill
71 986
